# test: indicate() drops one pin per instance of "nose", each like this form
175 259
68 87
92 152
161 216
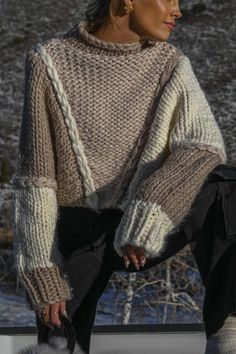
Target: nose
176 12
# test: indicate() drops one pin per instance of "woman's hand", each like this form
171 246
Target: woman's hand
50 314
135 255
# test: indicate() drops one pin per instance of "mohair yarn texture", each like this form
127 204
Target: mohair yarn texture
56 345
122 125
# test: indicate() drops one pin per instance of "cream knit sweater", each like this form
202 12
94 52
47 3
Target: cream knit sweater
107 125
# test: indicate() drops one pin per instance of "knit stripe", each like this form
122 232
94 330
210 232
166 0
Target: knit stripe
90 191
35 245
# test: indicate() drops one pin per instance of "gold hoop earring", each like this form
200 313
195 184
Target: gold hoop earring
128 8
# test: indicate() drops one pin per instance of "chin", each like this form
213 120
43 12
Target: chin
158 37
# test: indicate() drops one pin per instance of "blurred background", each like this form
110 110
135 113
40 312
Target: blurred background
171 292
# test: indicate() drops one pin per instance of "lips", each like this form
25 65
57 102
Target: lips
170 23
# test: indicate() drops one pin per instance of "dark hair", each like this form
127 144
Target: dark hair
97 14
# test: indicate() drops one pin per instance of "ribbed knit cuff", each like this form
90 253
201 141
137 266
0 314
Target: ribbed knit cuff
45 286
144 225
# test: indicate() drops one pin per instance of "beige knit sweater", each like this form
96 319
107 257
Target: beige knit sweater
107 125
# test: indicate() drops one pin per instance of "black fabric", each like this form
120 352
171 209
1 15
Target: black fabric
226 209
227 199
222 172
80 228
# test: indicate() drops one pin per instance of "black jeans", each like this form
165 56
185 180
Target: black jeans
209 229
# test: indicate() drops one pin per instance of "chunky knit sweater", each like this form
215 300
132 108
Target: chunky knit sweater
104 124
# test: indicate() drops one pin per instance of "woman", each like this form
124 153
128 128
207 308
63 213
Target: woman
118 141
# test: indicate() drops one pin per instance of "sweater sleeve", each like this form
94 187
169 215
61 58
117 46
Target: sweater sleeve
161 201
36 255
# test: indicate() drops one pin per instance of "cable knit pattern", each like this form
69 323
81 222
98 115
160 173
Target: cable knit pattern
25 181
107 125
72 129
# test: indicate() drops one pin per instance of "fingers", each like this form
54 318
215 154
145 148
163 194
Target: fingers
135 255
50 314
54 314
126 260
57 309
141 256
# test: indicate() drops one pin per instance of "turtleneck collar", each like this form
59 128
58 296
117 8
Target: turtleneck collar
96 45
